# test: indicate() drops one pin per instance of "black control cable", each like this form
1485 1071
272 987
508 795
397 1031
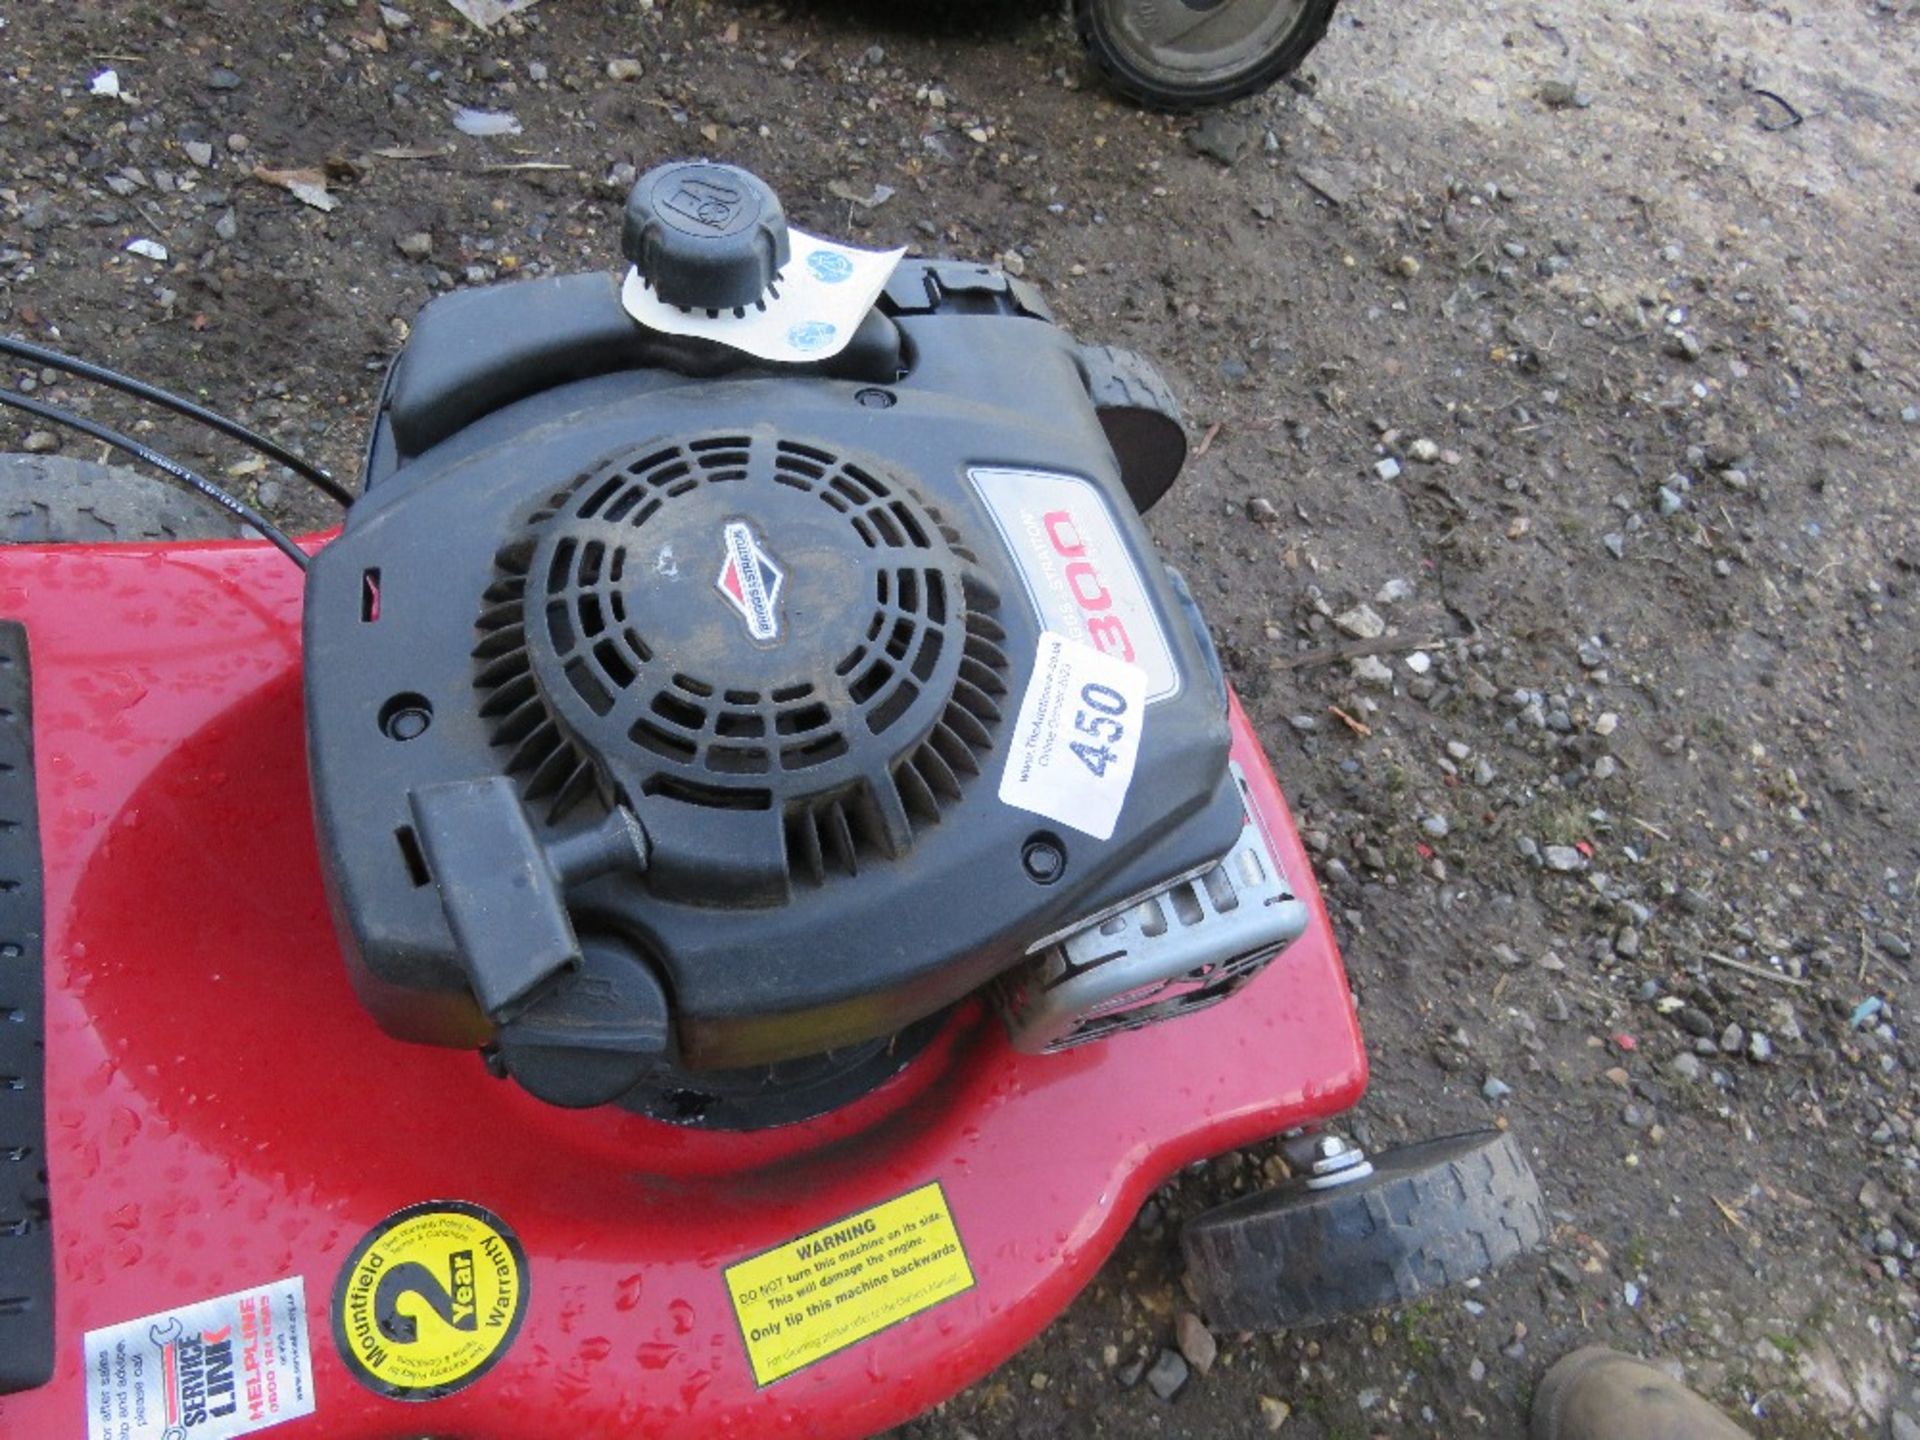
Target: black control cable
179 405
234 506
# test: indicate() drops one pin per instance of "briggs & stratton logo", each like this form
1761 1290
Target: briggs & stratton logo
751 582
706 202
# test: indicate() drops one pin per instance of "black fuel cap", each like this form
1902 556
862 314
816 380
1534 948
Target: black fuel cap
705 236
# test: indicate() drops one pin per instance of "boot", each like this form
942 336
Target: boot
1600 1394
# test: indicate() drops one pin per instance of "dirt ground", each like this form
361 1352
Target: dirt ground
1577 342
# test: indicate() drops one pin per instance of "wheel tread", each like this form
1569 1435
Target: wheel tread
1431 1216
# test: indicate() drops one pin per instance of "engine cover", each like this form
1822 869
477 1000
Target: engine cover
660 702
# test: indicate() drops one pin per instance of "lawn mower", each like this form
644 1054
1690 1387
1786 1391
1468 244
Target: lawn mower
703 908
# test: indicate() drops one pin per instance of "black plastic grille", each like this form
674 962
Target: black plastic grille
928 656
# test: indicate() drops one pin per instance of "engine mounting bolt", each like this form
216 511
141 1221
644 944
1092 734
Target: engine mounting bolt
1043 860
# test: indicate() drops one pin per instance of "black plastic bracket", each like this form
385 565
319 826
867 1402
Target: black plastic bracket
26 1224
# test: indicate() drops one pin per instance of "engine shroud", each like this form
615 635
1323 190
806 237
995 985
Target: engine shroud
770 614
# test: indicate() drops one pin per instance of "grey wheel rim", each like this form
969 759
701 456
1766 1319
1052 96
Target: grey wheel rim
1195 41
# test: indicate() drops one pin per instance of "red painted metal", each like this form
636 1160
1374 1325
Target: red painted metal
223 1113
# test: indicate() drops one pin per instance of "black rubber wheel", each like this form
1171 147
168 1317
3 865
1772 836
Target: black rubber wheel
1431 1215
1186 54
52 500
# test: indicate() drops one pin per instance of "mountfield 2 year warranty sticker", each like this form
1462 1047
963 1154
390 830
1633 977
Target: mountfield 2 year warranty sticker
430 1300
813 1297
212 1370
1078 736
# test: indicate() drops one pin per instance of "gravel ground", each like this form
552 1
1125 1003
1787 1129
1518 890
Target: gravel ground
1567 352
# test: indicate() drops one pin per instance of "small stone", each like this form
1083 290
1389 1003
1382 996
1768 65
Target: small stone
1687 1067
1759 1048
1683 345
625 69
1305 724
416 246
148 250
1630 1293
1605 768
1407 267
1014 263
221 78
1894 945
1565 859
1261 511
1606 724
1388 469
1419 662
395 19
1436 826
537 71
227 226
1167 1374
1129 1374
199 152
1477 1370
1558 94
238 143
1733 1039
1223 137
876 55
1424 452
1616 544
1362 622
1496 1089
1394 592
41 442
1670 502
1484 773
1626 943
1372 670
1275 1413
1196 1342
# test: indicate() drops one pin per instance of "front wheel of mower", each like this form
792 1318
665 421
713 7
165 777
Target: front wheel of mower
1186 54
1429 1216
56 500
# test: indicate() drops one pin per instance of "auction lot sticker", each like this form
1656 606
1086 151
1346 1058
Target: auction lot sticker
214 1370
813 1297
430 1300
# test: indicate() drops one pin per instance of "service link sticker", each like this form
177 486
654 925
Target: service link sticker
1078 573
813 1297
212 1370
430 1300
1074 746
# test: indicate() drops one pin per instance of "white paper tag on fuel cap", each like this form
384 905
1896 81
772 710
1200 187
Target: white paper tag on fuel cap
1077 738
826 290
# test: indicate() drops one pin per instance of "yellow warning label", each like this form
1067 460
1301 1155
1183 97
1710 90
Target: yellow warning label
813 1297
429 1300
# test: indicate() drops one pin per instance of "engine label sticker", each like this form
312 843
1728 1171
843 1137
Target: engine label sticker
211 1370
813 1297
430 1300
1073 749
1078 573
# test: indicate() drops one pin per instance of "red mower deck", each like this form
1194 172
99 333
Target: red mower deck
226 1115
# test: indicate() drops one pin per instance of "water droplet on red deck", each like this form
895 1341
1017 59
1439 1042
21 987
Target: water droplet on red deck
628 1294
596 1349
655 1355
681 1313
